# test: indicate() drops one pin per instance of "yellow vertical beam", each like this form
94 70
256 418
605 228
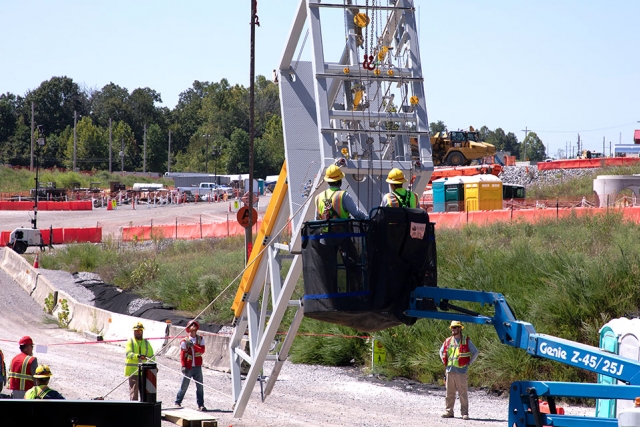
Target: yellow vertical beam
266 229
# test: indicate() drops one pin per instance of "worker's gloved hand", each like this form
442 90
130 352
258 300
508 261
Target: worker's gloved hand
184 371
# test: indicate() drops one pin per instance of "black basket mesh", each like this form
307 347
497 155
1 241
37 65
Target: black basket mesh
361 273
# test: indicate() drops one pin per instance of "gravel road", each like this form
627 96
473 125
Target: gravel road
304 395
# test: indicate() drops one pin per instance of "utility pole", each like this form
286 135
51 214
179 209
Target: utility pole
579 153
122 156
524 144
206 152
252 62
75 123
110 145
144 150
169 154
603 146
32 131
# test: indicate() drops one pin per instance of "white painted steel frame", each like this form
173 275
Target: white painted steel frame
308 94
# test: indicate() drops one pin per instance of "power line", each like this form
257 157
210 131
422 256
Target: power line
587 130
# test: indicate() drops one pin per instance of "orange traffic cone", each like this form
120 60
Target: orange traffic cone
36 263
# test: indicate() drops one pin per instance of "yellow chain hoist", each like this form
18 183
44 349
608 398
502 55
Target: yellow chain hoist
383 53
361 20
414 100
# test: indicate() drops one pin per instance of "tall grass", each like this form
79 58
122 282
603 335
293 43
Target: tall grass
566 277
20 180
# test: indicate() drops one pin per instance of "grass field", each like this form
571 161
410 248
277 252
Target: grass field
566 277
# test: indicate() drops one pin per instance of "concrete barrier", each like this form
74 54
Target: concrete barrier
111 326
42 290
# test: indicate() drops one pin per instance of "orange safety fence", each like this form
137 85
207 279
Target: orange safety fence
183 231
460 219
588 163
63 235
82 205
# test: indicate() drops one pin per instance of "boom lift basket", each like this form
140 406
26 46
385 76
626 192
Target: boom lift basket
361 273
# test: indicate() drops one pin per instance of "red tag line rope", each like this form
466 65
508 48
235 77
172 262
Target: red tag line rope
303 334
308 334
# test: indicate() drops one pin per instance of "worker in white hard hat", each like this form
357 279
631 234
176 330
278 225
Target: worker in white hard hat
335 203
398 197
457 353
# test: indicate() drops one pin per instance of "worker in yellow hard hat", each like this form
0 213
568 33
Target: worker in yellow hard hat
335 203
137 350
398 197
41 390
457 353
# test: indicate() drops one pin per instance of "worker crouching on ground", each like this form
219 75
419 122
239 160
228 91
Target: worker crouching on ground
23 366
191 350
398 197
41 390
457 353
137 350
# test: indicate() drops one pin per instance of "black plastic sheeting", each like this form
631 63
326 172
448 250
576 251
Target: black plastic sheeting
111 298
361 273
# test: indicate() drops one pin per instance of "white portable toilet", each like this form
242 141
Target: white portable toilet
622 337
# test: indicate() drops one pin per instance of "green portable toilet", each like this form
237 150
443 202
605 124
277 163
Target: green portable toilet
454 194
621 337
261 187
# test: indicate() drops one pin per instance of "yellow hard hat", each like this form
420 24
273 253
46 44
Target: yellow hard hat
43 371
396 176
455 323
138 326
333 174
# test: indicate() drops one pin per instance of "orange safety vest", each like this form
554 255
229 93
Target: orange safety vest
186 356
458 355
336 209
20 374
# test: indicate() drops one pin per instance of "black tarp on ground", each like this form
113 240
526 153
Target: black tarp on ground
361 273
109 297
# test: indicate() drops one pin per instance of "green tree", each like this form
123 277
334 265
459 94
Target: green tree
273 141
55 101
92 146
503 142
435 127
157 144
187 116
8 117
534 147
110 103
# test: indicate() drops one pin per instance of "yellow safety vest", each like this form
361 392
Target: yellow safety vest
133 349
401 198
337 209
37 392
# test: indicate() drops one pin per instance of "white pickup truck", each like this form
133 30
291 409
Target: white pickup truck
207 189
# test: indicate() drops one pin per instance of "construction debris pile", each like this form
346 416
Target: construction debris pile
530 176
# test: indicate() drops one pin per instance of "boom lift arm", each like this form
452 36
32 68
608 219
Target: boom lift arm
435 303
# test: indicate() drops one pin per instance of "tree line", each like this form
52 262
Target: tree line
209 128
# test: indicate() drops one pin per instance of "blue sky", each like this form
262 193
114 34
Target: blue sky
558 67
